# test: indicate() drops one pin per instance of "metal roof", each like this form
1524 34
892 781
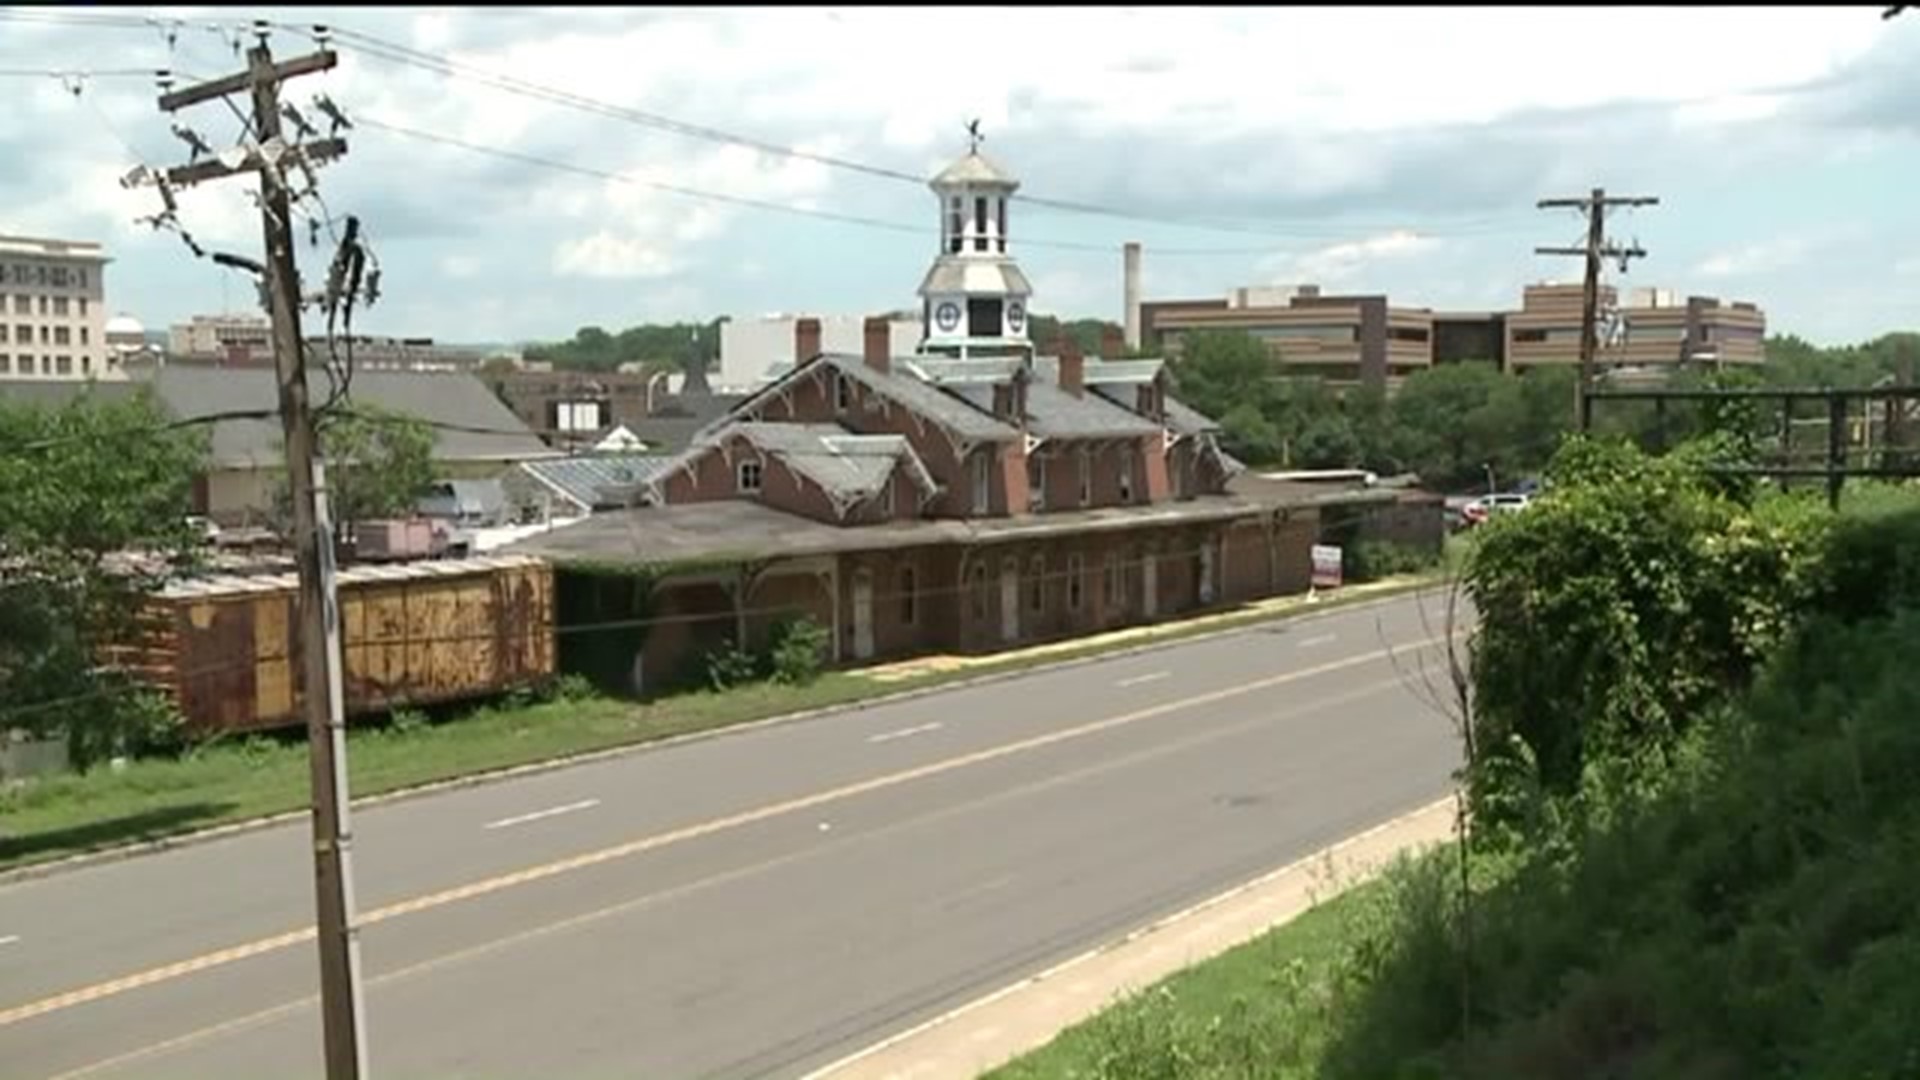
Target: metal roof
599 481
455 401
224 585
989 275
746 531
978 169
1130 372
945 371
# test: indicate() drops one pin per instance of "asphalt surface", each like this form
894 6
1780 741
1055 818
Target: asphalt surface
753 905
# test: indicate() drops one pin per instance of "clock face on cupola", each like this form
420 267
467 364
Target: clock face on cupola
975 296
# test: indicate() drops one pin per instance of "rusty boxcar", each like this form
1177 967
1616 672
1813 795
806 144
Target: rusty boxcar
418 633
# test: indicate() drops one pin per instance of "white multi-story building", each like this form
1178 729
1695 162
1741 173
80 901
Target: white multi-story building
754 350
220 337
53 315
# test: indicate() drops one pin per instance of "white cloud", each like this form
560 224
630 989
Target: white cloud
1343 263
605 255
1367 132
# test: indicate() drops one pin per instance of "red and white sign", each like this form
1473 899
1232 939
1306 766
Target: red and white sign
1326 566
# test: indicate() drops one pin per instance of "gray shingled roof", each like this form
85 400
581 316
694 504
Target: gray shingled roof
599 481
845 465
1054 413
962 418
1187 420
459 400
946 392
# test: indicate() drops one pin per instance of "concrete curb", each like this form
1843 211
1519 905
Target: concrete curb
157 845
867 1061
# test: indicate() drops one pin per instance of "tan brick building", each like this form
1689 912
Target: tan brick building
1366 340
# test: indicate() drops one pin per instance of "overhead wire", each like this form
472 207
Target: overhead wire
368 44
904 228
379 48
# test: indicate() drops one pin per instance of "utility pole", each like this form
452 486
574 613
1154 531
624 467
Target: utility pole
274 159
1593 251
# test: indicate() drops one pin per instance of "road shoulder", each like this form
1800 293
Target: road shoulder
993 1030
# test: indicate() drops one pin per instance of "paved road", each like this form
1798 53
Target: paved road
753 905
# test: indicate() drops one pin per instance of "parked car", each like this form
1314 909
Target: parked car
1480 510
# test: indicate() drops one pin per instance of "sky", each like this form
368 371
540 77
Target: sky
1395 150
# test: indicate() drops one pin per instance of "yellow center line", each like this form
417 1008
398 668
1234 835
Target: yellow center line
647 900
180 969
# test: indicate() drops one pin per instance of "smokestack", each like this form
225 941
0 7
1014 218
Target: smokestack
1130 293
806 340
879 343
1073 367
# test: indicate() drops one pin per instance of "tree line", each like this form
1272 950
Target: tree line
1467 425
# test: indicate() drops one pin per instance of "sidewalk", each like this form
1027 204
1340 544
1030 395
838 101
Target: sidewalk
1257 611
995 1029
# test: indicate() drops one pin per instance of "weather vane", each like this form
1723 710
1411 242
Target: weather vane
974 138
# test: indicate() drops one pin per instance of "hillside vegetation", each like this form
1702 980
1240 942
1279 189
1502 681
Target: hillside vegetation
1695 730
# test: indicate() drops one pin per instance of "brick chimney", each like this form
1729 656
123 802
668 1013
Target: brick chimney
879 343
1073 367
1113 343
806 340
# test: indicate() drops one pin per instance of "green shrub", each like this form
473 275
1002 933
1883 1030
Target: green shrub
570 687
1372 560
799 651
1613 613
730 666
1753 917
125 721
407 719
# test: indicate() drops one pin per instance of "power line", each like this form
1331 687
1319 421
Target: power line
752 203
276 160
370 45
1596 248
367 44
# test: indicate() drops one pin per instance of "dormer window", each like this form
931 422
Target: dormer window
842 392
1126 476
747 473
982 481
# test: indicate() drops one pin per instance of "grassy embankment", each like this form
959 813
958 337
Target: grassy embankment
1744 909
